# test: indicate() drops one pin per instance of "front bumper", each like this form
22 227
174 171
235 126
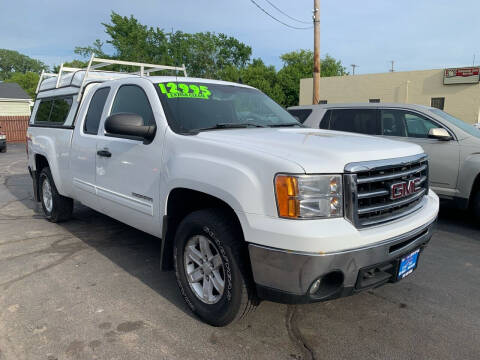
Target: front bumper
3 144
287 276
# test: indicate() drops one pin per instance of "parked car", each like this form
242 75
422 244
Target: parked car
477 125
249 205
3 141
453 146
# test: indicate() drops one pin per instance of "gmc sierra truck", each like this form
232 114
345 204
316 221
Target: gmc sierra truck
248 204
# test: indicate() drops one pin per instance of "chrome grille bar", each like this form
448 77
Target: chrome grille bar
364 180
369 189
365 195
392 204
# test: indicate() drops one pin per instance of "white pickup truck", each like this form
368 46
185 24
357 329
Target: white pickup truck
249 204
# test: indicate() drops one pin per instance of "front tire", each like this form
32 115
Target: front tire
212 268
55 206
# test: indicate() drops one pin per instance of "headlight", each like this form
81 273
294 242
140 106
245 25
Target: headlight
309 196
3 137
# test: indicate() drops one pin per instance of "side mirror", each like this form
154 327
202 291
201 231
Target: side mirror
440 134
129 126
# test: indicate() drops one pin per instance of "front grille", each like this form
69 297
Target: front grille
381 191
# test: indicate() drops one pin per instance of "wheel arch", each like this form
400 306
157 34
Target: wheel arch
181 202
475 188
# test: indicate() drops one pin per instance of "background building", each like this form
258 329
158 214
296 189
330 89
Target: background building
14 111
456 91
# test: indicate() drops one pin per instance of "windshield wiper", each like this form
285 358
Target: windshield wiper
231 126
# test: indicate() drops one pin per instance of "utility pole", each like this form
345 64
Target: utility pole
316 52
393 62
353 68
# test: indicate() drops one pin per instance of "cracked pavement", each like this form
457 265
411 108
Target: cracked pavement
91 288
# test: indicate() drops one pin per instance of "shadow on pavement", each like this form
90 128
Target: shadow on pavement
453 220
134 251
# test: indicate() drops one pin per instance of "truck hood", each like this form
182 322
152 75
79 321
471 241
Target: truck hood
316 151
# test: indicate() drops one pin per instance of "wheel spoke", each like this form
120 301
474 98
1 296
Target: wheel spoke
217 281
204 271
195 255
205 247
196 275
217 261
207 288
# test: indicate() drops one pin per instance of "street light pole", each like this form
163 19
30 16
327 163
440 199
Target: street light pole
316 52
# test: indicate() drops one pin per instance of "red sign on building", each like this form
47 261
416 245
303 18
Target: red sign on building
466 75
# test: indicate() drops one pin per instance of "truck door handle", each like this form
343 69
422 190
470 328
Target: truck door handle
104 153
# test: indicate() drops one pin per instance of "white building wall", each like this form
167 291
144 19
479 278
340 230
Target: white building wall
14 108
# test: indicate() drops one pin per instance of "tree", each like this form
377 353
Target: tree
298 65
207 55
13 62
204 54
74 64
332 67
28 81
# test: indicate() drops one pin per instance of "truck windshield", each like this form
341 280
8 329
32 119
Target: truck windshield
194 106
470 129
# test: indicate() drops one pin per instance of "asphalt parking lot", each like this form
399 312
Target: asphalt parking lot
91 289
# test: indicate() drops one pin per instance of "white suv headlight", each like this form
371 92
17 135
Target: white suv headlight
309 196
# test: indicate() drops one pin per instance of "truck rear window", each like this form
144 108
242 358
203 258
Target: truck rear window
53 111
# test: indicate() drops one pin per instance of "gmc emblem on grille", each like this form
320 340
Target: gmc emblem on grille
403 189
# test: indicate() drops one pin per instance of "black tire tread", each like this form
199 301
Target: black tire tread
62 205
223 222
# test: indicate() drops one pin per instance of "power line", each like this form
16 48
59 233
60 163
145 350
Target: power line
281 22
284 13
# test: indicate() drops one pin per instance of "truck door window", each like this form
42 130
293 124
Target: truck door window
393 122
95 109
363 121
132 99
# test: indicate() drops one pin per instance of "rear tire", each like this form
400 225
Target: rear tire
3 150
56 207
212 267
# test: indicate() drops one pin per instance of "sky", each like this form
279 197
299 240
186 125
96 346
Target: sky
417 35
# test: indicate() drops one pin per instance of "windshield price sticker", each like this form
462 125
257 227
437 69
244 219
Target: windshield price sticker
181 90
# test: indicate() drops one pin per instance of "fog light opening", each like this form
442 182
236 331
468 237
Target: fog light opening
315 286
327 285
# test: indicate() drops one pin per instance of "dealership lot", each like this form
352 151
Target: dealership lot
91 288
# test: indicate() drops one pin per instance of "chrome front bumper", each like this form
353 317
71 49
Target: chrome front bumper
287 277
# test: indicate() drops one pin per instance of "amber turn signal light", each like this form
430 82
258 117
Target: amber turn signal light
287 191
